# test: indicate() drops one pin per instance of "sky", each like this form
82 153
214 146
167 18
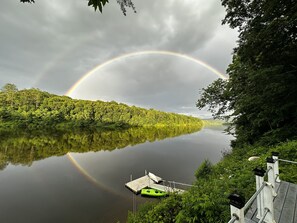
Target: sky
51 45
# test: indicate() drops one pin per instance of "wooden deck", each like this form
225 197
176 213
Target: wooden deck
285 205
137 185
152 181
167 189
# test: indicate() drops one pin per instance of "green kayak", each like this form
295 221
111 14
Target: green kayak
153 193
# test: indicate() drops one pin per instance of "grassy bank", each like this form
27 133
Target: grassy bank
207 200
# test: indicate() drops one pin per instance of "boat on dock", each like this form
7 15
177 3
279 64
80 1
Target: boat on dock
151 181
150 192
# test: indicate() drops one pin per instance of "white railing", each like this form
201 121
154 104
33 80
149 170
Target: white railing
233 219
265 213
288 161
251 200
265 193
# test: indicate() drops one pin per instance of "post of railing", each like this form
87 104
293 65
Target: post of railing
276 167
269 194
259 173
270 170
236 205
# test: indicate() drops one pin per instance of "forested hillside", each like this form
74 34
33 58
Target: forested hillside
35 109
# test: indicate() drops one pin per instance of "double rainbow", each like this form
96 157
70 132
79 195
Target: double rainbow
116 59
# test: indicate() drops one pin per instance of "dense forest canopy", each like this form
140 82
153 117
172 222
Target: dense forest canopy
260 95
35 109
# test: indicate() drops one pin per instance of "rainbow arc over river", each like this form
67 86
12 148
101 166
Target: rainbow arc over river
116 59
141 53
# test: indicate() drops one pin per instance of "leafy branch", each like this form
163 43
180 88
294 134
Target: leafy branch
99 4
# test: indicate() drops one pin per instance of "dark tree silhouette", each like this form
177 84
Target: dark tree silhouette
99 4
260 95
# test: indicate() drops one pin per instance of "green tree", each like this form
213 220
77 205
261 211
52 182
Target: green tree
9 88
99 4
204 170
260 94
9 91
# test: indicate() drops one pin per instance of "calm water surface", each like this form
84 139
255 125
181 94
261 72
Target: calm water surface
53 188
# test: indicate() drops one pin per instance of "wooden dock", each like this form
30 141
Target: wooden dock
285 205
138 184
150 180
166 188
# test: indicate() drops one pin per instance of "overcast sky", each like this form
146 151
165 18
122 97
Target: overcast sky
52 44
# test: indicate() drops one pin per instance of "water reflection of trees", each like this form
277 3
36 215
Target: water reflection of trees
24 148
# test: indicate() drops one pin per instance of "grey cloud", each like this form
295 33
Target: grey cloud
51 44
151 81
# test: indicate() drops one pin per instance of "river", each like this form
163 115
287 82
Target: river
81 177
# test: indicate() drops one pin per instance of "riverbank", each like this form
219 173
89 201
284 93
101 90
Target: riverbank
207 201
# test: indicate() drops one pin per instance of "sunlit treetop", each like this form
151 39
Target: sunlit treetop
99 4
9 88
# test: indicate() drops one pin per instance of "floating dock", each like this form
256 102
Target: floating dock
137 185
150 180
167 189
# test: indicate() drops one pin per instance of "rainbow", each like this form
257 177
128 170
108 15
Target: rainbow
118 58
140 53
92 179
84 172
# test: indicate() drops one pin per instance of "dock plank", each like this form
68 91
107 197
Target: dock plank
166 188
247 220
137 185
288 211
254 218
252 211
295 216
280 199
151 181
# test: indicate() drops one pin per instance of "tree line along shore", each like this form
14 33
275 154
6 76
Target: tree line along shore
36 109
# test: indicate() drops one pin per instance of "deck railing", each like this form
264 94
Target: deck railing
265 193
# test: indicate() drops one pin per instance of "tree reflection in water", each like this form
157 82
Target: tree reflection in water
25 148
